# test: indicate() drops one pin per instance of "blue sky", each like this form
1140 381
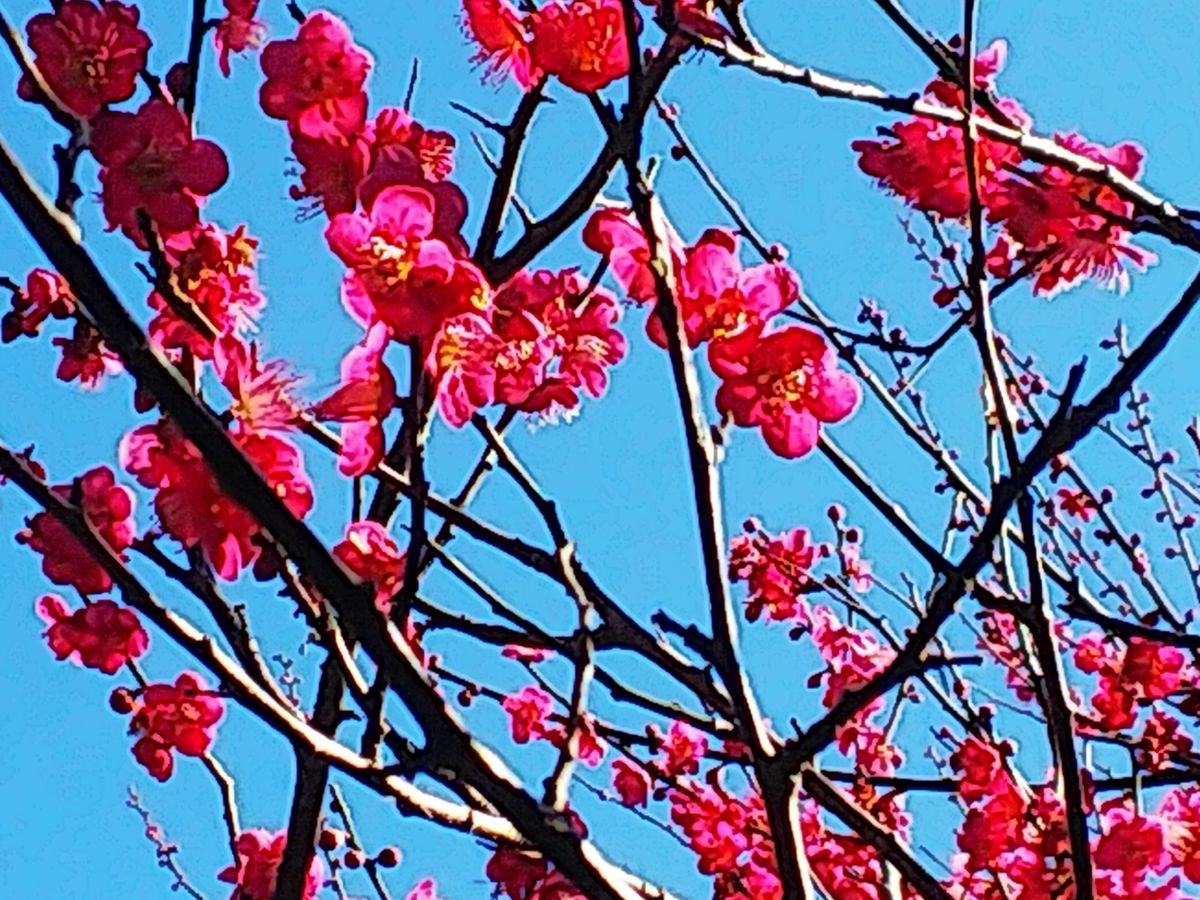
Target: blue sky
617 471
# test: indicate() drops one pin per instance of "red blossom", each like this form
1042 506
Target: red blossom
261 391
259 854
363 399
108 509
1180 810
502 35
1130 843
150 161
616 235
463 364
718 298
1064 223
559 337
717 826
86 358
1076 503
776 571
237 31
331 170
1162 737
924 161
397 273
852 656
515 873
581 42
46 295
88 54
191 505
315 80
215 271
100 635
174 717
370 553
682 749
425 889
786 383
527 711
405 152
982 769
631 782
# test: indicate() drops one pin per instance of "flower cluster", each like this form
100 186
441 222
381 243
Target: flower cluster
193 508
214 273
1058 225
580 42
1128 672
784 382
259 853
170 717
100 635
107 507
544 336
777 571
85 357
528 714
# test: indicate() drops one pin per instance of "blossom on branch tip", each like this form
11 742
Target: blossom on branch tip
1068 227
89 54
527 711
315 80
786 383
150 161
254 874
581 42
174 717
681 749
99 635
107 507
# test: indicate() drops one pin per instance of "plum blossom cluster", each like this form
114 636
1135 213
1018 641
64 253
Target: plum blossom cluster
1012 833
1054 224
582 43
529 710
168 718
107 507
785 382
1129 673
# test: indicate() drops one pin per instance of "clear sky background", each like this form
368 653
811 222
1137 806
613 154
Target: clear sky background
1113 70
